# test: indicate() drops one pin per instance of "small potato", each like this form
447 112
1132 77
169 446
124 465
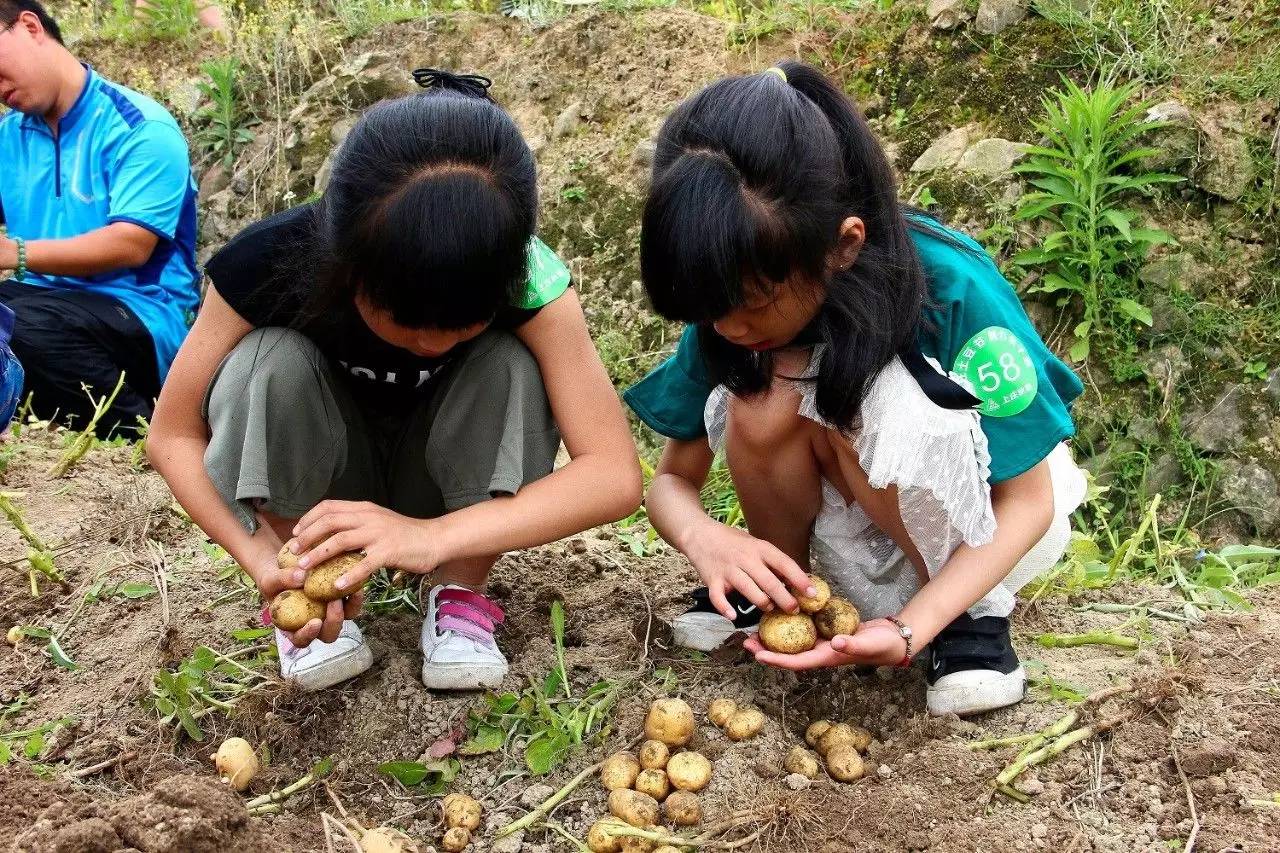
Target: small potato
788 633
683 808
746 723
634 807
236 762
841 734
384 839
802 761
689 771
14 635
654 755
861 738
654 783
667 848
816 730
839 616
600 840
292 609
456 839
670 721
815 603
632 844
619 771
844 764
321 582
721 710
461 810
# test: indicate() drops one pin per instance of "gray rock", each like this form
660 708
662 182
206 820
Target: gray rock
1253 491
1226 168
1144 430
569 120
992 158
644 153
1171 272
945 152
215 217
1165 473
341 127
184 98
1220 428
323 173
1166 316
535 795
215 179
510 844
996 16
1177 143
1273 387
797 781
946 14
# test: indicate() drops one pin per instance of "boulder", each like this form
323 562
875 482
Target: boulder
945 152
1177 140
946 14
215 179
1226 168
996 16
1169 273
1220 428
569 120
1165 473
992 158
1252 489
1273 387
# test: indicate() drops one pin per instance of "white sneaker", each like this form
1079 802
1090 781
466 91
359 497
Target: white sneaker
322 665
704 629
973 668
458 649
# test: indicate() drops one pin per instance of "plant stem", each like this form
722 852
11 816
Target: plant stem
1092 638
84 441
16 518
258 803
996 743
548 804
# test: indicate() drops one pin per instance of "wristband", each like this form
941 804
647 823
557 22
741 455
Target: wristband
904 631
20 272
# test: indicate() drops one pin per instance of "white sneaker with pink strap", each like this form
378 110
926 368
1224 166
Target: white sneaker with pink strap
458 649
322 665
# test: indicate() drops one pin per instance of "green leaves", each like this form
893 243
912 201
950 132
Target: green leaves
429 777
223 123
52 647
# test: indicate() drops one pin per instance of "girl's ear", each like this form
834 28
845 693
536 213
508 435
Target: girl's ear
853 233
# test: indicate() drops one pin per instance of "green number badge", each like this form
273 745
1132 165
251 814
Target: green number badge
1000 370
548 276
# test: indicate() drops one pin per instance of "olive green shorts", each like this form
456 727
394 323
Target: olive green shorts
286 432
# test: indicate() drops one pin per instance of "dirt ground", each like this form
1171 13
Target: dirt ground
1205 694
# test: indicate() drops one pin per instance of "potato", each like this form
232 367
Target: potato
839 616
788 633
384 839
667 848
844 764
861 738
456 839
689 771
841 734
321 582
236 762
619 771
292 609
816 730
461 810
600 840
683 808
746 723
654 783
802 761
634 807
632 844
721 710
14 635
654 755
670 721
286 559
815 603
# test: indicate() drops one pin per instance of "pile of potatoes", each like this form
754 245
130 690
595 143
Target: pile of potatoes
293 608
660 780
738 722
461 818
840 745
822 615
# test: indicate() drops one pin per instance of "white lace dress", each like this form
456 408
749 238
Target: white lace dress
938 460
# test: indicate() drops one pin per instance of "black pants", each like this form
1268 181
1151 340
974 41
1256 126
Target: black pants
67 339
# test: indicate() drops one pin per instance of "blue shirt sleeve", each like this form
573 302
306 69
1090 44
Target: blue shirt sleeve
671 399
150 178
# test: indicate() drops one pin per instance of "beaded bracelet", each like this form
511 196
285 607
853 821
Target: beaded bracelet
21 272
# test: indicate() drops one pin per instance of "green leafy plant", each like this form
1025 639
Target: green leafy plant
222 123
1082 175
547 722
425 777
574 193
1255 370
165 19
210 681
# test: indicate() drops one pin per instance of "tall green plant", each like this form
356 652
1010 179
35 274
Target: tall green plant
1083 175
222 123
172 19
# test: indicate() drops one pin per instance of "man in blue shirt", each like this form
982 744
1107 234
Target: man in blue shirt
98 200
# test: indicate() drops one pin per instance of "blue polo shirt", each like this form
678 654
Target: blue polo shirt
118 157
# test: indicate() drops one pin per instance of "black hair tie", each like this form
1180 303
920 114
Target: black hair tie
438 78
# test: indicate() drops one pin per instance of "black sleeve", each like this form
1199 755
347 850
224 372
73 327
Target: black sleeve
258 272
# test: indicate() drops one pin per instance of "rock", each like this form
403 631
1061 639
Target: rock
215 217
992 157
1207 758
534 795
1273 387
1144 430
796 781
643 155
183 98
917 840
1226 167
1177 143
341 127
996 16
1165 473
323 174
510 844
945 152
946 14
1220 428
1252 489
1170 272
1167 317
215 179
569 120
1165 365
1039 830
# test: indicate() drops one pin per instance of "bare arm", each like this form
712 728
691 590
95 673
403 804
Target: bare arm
120 245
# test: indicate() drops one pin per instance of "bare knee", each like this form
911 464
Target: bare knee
765 425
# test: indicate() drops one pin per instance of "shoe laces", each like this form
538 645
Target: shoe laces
466 613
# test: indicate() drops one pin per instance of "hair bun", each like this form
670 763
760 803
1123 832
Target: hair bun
474 85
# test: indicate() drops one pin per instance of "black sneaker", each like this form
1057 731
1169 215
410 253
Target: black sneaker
702 627
973 668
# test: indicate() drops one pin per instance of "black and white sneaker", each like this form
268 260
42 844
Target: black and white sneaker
705 629
973 668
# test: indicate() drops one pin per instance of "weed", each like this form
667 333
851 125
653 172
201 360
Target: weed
39 555
84 440
222 124
574 193
163 19
428 778
1255 370
26 743
1094 246
210 681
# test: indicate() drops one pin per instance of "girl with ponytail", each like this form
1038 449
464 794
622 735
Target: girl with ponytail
390 370
890 417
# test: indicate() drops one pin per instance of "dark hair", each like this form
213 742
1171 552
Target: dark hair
430 208
752 179
11 9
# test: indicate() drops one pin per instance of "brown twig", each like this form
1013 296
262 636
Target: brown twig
103 765
1191 800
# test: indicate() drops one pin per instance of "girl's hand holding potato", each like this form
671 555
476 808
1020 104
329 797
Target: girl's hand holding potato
275 578
728 558
388 539
875 643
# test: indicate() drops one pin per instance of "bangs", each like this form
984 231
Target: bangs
707 242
